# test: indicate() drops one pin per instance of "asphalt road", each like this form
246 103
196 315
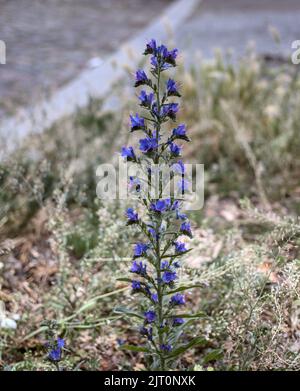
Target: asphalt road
234 24
49 42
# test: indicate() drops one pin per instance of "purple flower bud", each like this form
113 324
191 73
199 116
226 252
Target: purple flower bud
185 228
137 122
172 88
136 285
147 332
180 133
141 78
169 276
148 145
154 297
146 100
150 316
164 265
180 247
132 216
60 343
175 149
151 47
140 249
55 354
160 205
177 299
138 268
170 110
177 321
128 153
166 347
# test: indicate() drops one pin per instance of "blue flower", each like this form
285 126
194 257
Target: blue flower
136 285
150 316
147 332
137 122
166 347
172 88
140 249
138 268
166 57
132 216
152 232
148 144
146 100
60 343
160 205
176 264
162 51
151 47
128 153
56 349
177 299
177 321
180 216
180 247
171 56
158 64
175 149
168 277
185 228
162 58
154 297
141 78
170 110
55 354
180 133
164 265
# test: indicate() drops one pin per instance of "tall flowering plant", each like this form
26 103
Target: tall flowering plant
156 260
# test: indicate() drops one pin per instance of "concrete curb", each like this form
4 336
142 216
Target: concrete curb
90 82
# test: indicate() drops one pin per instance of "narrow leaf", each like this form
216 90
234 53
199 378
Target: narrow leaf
213 356
127 311
183 288
134 348
184 348
190 316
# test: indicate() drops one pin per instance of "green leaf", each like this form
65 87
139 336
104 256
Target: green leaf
183 288
213 356
176 255
134 348
124 279
194 342
127 311
192 316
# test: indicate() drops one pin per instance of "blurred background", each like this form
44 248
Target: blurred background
66 93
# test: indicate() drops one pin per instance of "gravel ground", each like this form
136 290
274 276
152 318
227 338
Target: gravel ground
50 42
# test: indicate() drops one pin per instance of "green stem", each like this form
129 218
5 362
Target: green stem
158 257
